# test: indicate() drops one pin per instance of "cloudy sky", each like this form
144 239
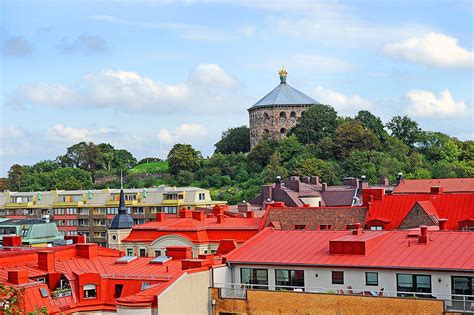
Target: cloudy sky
144 75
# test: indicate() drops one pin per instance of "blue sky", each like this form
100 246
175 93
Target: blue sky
144 75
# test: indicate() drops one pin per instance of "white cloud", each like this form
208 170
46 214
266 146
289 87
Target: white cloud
432 49
69 135
184 132
208 85
426 104
345 104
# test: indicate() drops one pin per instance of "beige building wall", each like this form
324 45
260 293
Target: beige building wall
188 295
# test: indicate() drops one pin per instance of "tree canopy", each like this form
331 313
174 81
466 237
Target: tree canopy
234 140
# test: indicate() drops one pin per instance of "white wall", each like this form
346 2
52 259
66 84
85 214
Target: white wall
135 311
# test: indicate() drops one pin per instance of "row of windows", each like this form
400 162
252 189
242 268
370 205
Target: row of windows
406 283
66 222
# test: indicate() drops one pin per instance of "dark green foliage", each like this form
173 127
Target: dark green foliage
405 129
183 157
316 123
234 140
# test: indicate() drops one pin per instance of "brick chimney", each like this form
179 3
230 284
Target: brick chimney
88 250
17 276
46 260
314 180
198 215
266 193
250 214
218 209
179 252
436 190
13 241
243 207
384 181
324 186
220 218
160 216
423 238
185 213
442 224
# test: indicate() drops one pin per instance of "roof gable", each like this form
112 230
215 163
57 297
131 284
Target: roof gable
284 94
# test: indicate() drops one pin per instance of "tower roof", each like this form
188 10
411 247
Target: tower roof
285 94
122 220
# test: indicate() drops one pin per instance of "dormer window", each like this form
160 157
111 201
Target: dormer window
90 291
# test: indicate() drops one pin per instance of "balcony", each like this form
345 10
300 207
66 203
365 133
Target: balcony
67 204
19 205
326 296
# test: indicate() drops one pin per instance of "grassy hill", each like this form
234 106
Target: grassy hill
150 168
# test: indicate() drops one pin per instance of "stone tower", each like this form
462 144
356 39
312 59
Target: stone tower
275 114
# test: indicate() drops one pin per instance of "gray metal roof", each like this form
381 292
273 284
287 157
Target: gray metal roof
285 94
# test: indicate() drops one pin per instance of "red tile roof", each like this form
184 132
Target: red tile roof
206 231
395 250
450 185
394 208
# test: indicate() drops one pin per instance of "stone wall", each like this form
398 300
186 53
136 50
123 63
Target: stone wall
273 121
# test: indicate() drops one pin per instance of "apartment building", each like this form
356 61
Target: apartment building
409 265
89 212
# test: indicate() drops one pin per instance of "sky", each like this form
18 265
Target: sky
144 75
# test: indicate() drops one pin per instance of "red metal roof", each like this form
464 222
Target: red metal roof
454 207
450 185
198 232
395 250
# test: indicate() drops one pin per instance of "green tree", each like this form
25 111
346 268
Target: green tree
405 129
234 140
16 177
290 147
316 123
351 135
261 153
274 169
372 123
184 178
183 157
437 146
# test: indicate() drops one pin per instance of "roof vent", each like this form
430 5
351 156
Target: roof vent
125 259
160 260
423 238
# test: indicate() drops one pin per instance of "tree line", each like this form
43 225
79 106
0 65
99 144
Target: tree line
322 144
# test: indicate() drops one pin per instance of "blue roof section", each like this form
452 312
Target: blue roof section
285 94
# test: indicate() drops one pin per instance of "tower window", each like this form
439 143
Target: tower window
293 115
265 116
283 115
282 131
265 131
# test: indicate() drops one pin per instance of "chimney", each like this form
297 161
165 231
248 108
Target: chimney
357 229
442 224
198 215
220 218
88 250
184 213
160 216
218 209
423 238
399 178
250 214
12 241
278 182
306 179
266 193
243 207
384 181
436 190
179 252
314 180
350 181
76 239
46 260
18 276
324 186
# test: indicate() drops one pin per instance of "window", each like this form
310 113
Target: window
462 286
129 251
145 285
265 116
371 278
300 226
157 253
42 280
84 211
376 228
112 210
293 115
202 196
138 210
282 115
83 222
413 283
254 276
325 226
170 210
289 278
138 221
338 277
24 231
142 252
283 131
118 290
90 291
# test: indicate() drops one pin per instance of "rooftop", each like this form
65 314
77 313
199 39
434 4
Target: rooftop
388 249
450 185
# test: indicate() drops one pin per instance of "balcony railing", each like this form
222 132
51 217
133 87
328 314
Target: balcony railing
452 302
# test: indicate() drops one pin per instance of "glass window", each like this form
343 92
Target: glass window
300 226
325 226
90 291
371 278
255 276
289 278
338 277
129 251
413 283
142 252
